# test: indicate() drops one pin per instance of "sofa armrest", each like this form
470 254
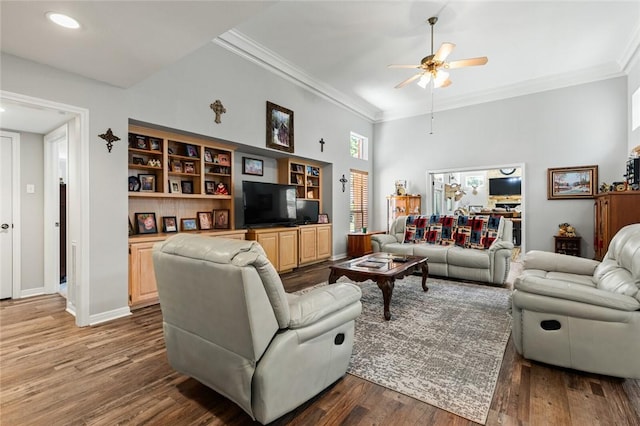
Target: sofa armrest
501 244
378 241
555 262
321 302
576 292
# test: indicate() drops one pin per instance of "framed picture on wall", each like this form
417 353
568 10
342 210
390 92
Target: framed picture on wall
252 166
279 128
572 182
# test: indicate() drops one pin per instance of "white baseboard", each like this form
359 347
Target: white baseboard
38 291
109 315
338 256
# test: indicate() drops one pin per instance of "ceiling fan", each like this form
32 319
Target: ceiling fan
432 67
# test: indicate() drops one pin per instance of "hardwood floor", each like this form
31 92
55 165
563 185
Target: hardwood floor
54 373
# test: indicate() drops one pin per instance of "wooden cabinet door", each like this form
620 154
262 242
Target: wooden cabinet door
308 244
142 280
324 242
288 250
269 242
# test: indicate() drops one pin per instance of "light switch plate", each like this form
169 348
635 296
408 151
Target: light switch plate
31 188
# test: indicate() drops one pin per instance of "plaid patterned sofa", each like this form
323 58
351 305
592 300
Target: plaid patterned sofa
476 248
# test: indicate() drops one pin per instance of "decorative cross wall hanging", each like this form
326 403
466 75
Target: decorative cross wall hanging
321 142
110 138
343 181
218 109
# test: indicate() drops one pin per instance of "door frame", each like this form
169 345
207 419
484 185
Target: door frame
15 213
79 197
52 208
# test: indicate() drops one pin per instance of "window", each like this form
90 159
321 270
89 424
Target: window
359 146
358 200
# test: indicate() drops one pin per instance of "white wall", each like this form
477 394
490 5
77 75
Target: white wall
574 126
178 97
31 211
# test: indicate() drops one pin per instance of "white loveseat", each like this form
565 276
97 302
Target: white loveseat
580 313
490 265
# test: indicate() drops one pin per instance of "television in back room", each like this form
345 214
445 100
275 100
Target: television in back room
307 211
268 204
505 186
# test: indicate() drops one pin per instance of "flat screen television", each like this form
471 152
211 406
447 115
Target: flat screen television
505 186
307 211
268 204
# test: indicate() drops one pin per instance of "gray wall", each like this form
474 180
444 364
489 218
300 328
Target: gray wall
32 210
633 85
574 126
178 97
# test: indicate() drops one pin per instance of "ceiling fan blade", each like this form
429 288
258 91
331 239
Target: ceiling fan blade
409 80
471 62
443 51
445 83
403 66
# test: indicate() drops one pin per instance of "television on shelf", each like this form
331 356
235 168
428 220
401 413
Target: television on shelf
307 211
268 204
505 186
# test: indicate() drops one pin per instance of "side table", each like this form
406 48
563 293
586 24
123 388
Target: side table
568 245
359 243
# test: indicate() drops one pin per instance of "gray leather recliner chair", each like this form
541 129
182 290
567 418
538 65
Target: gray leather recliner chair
580 313
229 324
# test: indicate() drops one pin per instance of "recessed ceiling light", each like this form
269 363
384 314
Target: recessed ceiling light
63 20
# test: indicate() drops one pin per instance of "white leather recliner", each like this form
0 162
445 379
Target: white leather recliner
580 313
229 324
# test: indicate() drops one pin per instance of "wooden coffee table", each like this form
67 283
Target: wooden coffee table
384 269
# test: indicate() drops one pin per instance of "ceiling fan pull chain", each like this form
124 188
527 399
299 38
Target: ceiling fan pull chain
431 120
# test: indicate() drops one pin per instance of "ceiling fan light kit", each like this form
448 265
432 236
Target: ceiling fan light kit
432 66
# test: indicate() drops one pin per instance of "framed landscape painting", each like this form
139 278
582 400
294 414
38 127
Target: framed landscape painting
572 182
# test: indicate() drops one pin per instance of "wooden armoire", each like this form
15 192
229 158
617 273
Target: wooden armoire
613 210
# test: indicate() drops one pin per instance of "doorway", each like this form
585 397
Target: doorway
481 190
78 196
55 196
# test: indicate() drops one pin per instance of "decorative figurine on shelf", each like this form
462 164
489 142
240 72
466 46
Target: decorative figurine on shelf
566 230
153 162
605 187
221 189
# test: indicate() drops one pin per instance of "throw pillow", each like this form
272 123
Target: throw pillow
415 229
478 232
434 234
462 231
449 224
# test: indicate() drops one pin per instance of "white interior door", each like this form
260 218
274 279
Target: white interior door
52 143
6 222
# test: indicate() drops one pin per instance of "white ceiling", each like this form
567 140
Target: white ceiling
341 49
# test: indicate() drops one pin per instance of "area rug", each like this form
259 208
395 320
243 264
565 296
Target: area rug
443 347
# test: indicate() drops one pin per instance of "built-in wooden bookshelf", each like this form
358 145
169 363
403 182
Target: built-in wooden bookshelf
306 176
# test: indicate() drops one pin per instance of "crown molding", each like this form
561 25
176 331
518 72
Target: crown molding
632 52
243 46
